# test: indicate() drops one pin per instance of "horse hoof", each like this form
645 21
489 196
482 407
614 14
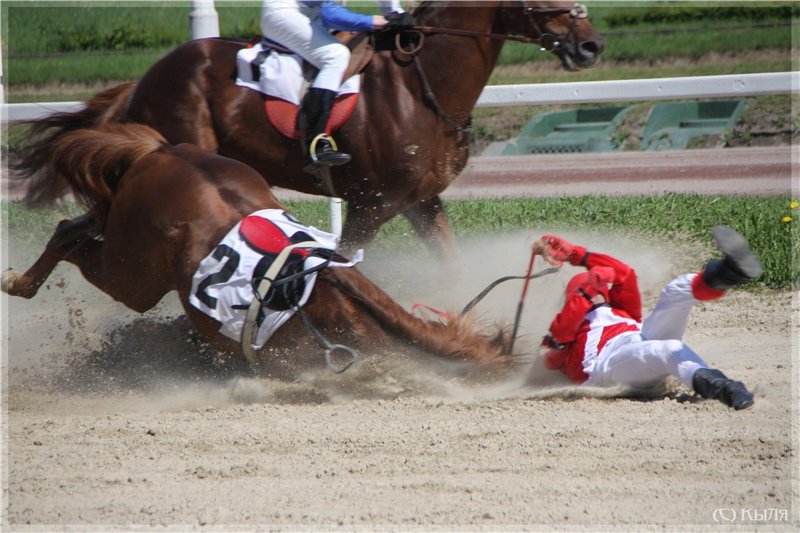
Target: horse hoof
8 284
7 281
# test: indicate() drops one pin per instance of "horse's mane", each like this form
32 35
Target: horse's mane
35 162
92 161
455 339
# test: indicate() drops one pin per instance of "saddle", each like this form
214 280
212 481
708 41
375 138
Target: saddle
283 78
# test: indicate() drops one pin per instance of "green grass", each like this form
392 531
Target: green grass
84 42
687 44
678 219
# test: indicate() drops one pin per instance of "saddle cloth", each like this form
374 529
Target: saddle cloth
222 286
282 78
279 75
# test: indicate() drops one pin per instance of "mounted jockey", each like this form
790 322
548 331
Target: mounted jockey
303 27
599 339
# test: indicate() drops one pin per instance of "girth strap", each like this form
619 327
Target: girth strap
249 329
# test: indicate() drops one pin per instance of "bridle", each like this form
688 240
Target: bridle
547 40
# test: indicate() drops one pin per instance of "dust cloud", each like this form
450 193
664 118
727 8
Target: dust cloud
72 341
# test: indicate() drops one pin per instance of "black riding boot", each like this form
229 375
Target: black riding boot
740 264
317 106
713 384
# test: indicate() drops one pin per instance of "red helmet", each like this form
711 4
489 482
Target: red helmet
592 283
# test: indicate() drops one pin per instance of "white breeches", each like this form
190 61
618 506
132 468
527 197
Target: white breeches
310 40
646 358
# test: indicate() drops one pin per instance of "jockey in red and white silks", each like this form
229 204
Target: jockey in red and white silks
599 338
222 287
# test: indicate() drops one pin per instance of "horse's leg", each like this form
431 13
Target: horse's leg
72 240
362 224
429 221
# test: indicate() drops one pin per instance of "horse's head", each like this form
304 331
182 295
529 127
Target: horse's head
560 27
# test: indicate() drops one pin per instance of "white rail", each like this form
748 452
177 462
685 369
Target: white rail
547 93
731 85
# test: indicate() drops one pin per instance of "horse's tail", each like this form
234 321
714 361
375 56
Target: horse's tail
35 161
457 339
92 161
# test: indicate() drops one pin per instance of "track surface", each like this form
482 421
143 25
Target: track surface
748 171
752 171
745 171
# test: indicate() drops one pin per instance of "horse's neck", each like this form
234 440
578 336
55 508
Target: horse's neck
447 342
472 58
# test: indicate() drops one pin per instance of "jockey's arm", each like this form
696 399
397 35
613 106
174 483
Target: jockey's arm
567 322
624 293
336 17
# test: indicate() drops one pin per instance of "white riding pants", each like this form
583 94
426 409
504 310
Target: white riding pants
644 359
300 30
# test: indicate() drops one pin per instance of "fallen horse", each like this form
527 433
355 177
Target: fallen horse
162 218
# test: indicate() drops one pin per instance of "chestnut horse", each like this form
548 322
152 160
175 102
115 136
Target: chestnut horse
408 134
160 209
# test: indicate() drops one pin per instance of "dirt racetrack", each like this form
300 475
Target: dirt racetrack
117 421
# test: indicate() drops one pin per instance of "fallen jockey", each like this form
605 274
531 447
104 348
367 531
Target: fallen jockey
599 338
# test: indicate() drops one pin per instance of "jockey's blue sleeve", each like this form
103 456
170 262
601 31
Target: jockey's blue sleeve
336 17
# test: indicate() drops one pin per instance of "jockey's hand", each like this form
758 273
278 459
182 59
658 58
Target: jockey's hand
400 21
549 342
557 251
379 22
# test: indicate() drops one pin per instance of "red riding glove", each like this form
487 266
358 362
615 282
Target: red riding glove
557 251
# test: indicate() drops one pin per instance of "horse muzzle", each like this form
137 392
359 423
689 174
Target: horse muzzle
579 55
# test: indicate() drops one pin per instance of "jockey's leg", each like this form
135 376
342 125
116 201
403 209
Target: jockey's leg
630 361
317 106
309 39
670 317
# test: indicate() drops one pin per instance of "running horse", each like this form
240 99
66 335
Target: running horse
155 211
408 134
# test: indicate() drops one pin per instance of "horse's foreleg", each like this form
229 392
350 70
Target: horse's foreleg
429 220
362 224
71 237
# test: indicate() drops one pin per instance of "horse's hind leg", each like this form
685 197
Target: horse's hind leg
72 240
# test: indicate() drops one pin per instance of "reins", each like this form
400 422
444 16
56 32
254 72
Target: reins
578 11
547 41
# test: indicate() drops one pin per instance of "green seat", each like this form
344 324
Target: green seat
673 125
558 132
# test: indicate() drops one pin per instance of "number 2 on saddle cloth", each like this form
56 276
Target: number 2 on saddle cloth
281 76
223 286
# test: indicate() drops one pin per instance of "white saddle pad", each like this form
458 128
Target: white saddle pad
222 285
279 75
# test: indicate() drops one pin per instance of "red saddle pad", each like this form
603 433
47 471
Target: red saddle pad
283 114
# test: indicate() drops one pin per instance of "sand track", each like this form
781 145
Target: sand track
118 421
